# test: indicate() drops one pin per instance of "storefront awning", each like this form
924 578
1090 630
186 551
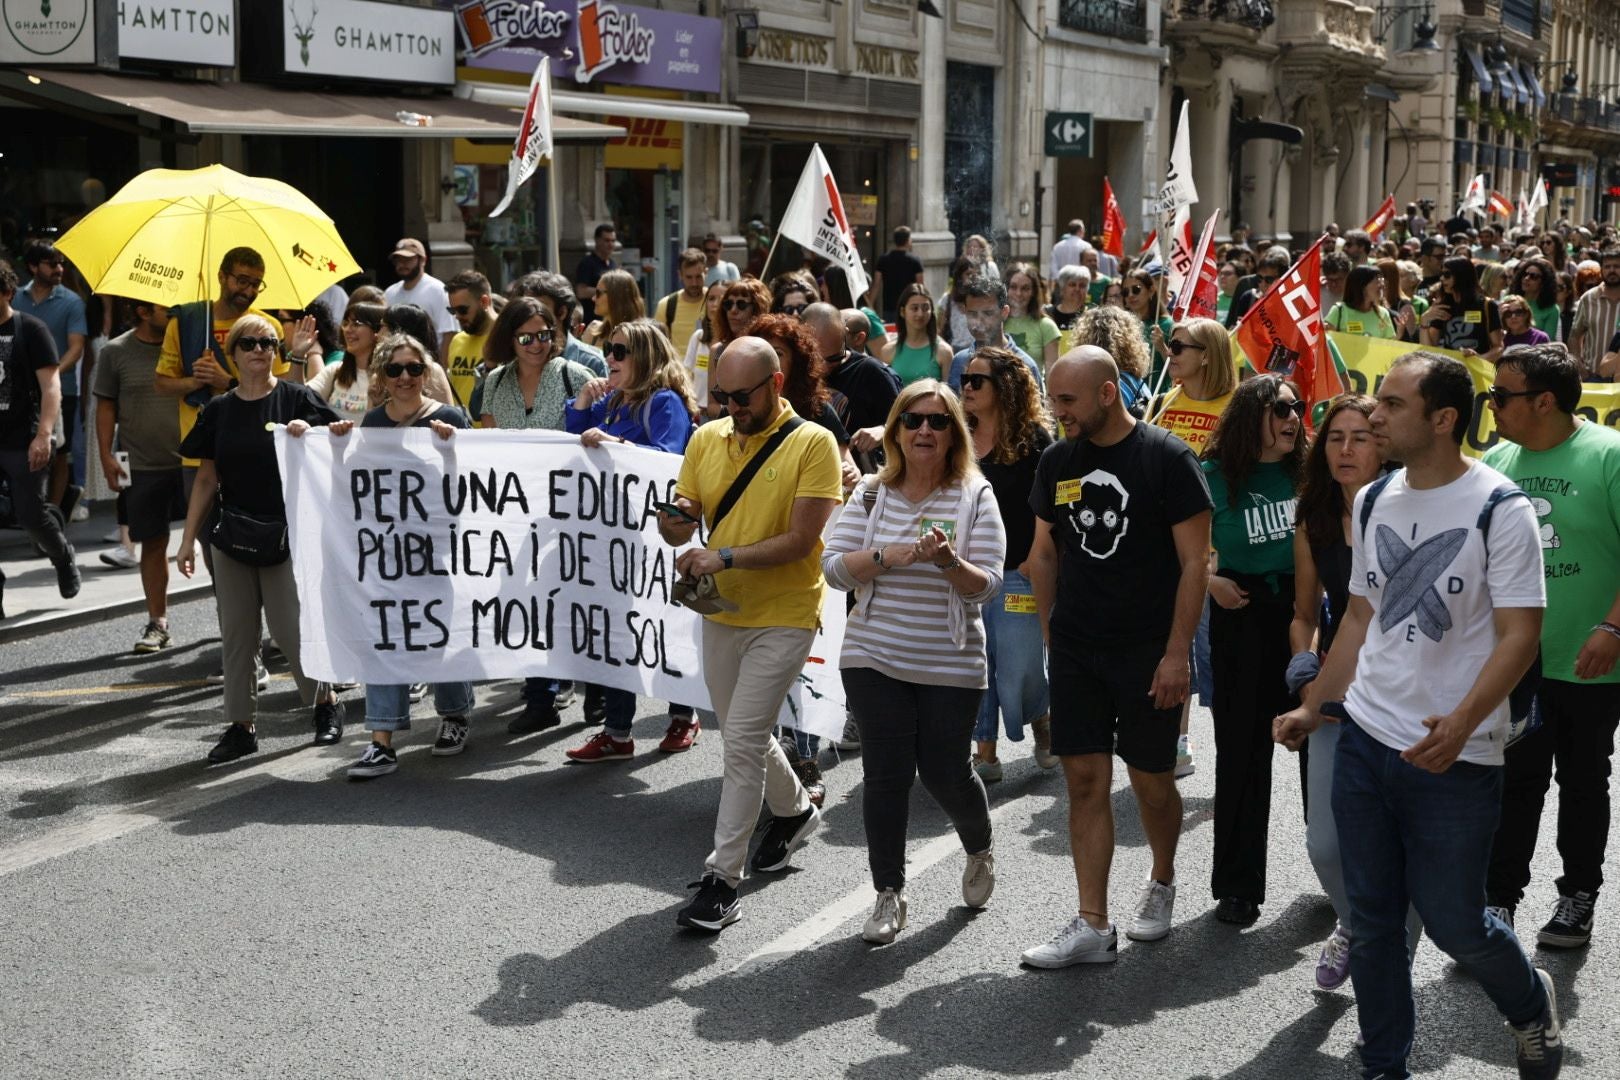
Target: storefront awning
1477 62
1510 80
690 112
1535 86
256 109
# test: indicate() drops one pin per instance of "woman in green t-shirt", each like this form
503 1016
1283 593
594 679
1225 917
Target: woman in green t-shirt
1028 325
916 351
1362 310
1537 281
1254 464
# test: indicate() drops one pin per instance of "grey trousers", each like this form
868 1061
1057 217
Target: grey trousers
240 593
28 494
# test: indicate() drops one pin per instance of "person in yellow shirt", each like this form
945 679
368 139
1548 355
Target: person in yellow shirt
765 556
681 312
470 303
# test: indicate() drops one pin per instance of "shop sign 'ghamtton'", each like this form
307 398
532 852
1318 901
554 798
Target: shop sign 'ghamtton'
595 39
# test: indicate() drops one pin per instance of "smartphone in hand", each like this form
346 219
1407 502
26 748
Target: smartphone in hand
675 511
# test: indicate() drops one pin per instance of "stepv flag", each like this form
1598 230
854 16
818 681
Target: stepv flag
1197 299
1178 190
1113 223
815 220
1381 218
1180 266
1282 333
533 143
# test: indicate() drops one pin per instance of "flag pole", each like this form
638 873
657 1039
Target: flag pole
553 241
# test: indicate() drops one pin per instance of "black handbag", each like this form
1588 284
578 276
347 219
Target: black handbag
248 539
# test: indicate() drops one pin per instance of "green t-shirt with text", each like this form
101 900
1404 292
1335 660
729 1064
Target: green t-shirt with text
1575 490
1256 536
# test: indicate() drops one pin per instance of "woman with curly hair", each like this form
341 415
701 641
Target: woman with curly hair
1116 332
1010 428
1254 464
618 300
792 292
1537 281
744 301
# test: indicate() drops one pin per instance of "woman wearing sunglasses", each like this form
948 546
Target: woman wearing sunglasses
1204 377
1362 310
921 546
237 479
1254 464
1518 327
744 301
1142 300
1010 428
1537 282
792 292
346 385
402 366
645 400
1460 317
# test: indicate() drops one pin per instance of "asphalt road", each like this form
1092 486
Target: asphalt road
507 913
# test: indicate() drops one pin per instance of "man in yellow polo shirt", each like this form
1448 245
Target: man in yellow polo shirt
470 303
765 553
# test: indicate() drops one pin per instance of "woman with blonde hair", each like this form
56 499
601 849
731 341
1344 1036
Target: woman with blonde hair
618 300
921 546
704 342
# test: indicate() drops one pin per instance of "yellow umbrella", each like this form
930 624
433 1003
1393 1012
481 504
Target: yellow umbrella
161 237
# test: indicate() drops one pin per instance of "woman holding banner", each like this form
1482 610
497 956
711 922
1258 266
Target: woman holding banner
645 400
921 546
528 388
237 497
1537 282
1460 317
403 365
1254 463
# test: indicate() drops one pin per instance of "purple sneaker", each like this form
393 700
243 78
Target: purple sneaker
1333 966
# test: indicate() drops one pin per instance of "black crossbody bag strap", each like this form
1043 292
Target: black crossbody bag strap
755 463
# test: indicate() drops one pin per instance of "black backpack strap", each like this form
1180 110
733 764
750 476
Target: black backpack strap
1497 496
1374 489
755 463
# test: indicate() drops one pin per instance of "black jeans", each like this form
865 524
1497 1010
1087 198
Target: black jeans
1577 732
910 730
28 494
1249 654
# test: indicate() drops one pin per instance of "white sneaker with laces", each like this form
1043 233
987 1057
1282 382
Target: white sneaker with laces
888 918
979 878
1185 765
1155 905
120 558
452 737
1076 942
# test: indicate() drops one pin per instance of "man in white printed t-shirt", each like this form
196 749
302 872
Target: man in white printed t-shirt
1446 598
417 286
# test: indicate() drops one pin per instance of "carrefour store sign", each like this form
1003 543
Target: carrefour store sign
201 33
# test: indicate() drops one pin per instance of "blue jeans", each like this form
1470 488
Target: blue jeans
1017 658
388 706
1409 836
1203 675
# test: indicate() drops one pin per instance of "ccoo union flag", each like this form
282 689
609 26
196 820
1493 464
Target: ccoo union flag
1282 333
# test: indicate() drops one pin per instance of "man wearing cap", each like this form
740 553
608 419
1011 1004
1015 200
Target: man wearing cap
417 286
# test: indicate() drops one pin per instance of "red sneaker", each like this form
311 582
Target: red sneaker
603 747
682 733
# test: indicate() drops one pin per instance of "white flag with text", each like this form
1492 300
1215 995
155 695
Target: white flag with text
533 143
815 220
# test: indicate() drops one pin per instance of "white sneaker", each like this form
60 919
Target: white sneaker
1185 766
888 918
1043 743
979 878
1077 942
120 558
1155 905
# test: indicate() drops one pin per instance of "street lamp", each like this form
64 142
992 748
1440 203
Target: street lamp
1422 34
1497 57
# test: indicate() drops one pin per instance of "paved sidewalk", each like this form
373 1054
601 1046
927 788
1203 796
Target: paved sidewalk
34 606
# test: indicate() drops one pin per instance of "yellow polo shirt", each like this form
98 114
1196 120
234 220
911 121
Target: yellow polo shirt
466 353
169 364
806 466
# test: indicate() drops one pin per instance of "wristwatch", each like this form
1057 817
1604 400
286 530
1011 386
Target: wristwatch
956 560
877 557
725 558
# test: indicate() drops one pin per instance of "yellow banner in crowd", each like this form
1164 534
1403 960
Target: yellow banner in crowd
1367 360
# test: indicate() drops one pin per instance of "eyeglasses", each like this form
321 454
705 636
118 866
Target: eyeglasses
618 350
738 397
936 421
544 337
254 344
737 305
1282 410
247 284
977 380
415 369
1500 395
794 309
1178 347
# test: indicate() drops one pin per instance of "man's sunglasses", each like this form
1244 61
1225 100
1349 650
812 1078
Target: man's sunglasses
1500 396
936 421
738 397
1178 347
1282 410
415 369
254 344
1267 281
544 337
737 305
976 380
617 349
462 309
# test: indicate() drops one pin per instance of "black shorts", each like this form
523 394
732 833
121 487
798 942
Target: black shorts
151 502
1100 705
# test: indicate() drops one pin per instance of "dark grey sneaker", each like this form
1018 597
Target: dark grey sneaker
378 760
1541 1042
328 723
237 742
67 577
1571 924
153 639
452 736
785 836
714 908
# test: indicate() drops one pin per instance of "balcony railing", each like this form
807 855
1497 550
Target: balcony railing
1255 14
1521 15
1122 19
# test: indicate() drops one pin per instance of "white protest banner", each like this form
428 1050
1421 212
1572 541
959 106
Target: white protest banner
1180 265
1474 197
503 554
1178 189
533 141
816 221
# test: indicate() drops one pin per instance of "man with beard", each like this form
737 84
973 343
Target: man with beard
417 286
62 311
470 304
1597 313
1120 567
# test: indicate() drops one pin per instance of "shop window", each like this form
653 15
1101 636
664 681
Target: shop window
970 148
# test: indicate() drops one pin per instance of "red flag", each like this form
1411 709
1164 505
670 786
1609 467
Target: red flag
1149 243
1381 219
1197 299
1113 223
1282 333
1500 204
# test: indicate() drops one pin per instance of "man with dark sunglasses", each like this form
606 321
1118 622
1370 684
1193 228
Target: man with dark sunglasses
1273 265
470 304
764 554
